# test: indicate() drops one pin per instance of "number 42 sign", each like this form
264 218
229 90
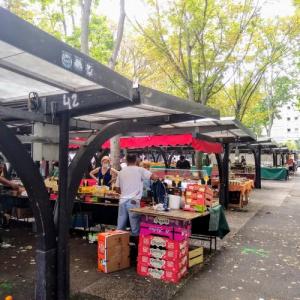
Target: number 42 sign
70 101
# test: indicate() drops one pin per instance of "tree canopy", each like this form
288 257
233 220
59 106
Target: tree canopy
222 53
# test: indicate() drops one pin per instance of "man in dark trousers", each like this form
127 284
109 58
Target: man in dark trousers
183 163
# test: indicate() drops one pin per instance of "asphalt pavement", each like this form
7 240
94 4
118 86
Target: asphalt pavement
262 259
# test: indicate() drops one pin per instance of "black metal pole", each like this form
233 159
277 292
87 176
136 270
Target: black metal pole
257 159
63 267
274 159
30 176
226 174
220 168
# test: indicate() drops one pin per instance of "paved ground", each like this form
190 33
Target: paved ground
258 259
262 260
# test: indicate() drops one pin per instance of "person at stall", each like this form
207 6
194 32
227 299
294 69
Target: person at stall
243 161
182 163
105 173
130 186
4 205
55 169
147 182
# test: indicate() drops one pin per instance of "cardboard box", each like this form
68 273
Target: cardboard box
162 253
159 220
171 232
113 251
164 264
166 275
161 242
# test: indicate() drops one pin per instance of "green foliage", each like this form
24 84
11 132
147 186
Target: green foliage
216 52
196 41
293 145
100 39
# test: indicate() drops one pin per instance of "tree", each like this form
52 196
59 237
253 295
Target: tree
85 20
279 92
115 141
100 38
198 39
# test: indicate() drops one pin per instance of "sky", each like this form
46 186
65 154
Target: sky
135 9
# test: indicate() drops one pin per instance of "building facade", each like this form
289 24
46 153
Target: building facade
287 127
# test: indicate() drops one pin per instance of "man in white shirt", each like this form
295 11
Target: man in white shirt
130 184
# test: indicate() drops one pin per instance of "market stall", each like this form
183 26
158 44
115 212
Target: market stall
58 89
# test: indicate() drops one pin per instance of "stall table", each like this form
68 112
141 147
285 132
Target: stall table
279 173
250 176
200 222
175 214
244 189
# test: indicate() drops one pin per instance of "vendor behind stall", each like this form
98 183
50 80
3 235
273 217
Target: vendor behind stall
130 185
182 163
147 182
5 181
4 205
105 174
243 161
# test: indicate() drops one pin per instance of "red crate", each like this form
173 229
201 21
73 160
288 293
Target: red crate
174 233
162 242
162 253
164 264
165 221
166 275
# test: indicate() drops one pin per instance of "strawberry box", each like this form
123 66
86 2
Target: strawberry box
161 242
159 220
166 275
164 264
162 253
174 233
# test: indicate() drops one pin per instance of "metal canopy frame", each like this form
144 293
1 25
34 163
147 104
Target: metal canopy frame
72 91
224 130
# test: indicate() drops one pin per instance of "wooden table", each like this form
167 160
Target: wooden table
244 188
182 215
177 214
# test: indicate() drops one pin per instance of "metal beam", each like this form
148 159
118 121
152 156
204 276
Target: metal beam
19 114
150 97
40 44
10 67
87 102
30 176
64 218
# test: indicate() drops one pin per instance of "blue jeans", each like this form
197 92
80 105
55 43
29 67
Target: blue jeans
134 219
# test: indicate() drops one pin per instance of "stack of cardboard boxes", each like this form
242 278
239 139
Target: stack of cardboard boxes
163 248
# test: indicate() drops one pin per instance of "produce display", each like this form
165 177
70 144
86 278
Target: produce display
198 197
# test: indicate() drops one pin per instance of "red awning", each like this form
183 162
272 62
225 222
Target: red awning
167 141
161 141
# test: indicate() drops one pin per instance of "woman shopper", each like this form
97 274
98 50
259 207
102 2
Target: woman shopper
105 175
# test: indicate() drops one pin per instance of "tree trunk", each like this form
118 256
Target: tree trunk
115 141
85 20
191 93
62 8
120 31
